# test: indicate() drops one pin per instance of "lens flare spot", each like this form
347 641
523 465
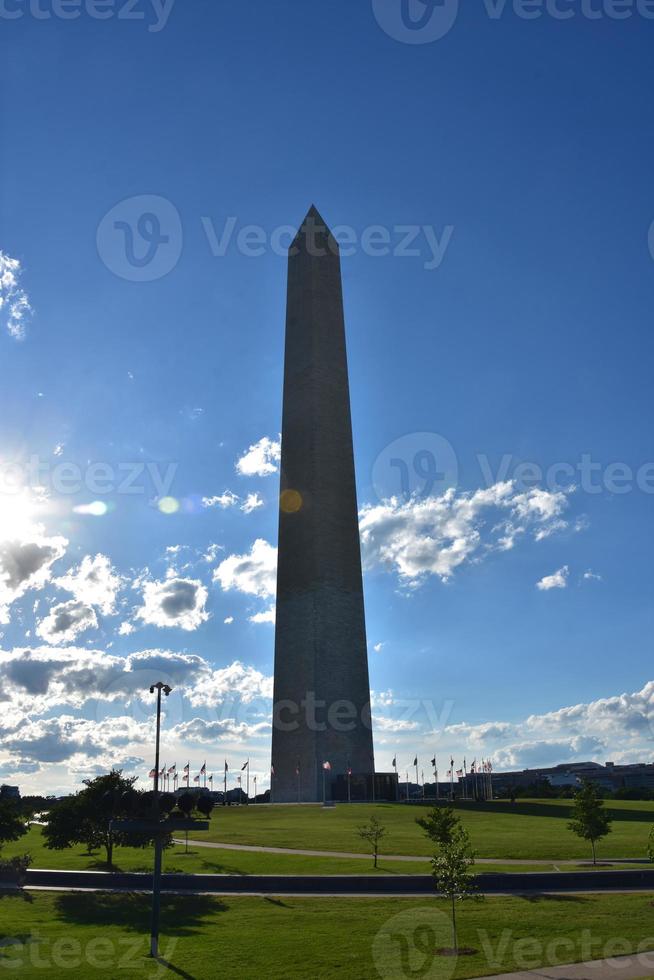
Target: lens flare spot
290 501
168 505
97 508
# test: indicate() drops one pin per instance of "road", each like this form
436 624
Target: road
512 883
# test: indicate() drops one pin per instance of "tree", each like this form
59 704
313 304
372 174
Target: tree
12 823
589 819
451 870
372 832
86 817
439 824
650 845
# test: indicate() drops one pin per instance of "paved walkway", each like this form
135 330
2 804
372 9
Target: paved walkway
635 967
394 857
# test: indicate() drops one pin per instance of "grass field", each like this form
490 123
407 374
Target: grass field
204 860
528 830
200 860
60 934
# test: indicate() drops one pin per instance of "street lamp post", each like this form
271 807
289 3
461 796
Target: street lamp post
158 842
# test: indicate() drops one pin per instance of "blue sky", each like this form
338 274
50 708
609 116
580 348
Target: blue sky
517 155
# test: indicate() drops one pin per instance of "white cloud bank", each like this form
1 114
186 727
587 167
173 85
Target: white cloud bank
436 535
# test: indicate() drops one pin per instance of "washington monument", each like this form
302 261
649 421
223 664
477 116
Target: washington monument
321 711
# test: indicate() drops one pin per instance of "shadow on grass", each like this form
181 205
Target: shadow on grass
16 892
181 915
276 901
533 898
174 969
561 811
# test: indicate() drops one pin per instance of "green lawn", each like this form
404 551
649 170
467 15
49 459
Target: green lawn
199 860
62 934
530 830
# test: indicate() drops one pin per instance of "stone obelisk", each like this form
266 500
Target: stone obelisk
321 710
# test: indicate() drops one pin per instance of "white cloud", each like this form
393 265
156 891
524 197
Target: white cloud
224 500
261 459
436 535
378 647
175 601
267 616
15 308
591 576
228 499
252 502
385 724
95 582
26 563
254 573
58 449
228 620
557 580
66 620
209 732
125 629
237 680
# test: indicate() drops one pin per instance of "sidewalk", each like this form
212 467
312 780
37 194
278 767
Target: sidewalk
638 966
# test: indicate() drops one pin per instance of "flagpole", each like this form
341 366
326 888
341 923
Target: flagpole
324 799
225 785
248 782
255 790
423 784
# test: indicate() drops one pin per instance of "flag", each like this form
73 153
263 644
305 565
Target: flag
349 771
451 763
394 763
433 762
449 774
196 779
245 765
459 772
226 766
297 768
272 770
203 770
327 766
187 768
415 761
152 774
163 771
210 778
172 769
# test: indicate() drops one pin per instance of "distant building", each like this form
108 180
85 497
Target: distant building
9 792
609 777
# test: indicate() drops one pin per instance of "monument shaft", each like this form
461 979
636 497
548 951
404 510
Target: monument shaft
321 696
